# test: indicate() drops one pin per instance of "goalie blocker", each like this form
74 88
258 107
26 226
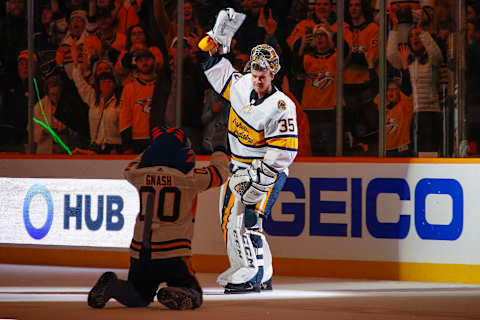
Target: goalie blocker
252 185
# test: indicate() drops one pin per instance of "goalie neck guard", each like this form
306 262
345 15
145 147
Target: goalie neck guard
171 148
263 57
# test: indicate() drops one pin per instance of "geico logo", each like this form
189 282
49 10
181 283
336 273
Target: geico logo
399 229
76 210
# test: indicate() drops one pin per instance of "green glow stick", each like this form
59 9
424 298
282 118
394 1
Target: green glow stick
40 102
56 138
47 127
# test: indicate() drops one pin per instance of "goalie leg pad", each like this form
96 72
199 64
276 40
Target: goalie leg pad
242 256
240 251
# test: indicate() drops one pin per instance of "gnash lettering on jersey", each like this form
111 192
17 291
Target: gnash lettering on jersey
154 180
322 80
245 134
145 104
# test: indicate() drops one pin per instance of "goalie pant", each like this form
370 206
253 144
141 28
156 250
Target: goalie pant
248 251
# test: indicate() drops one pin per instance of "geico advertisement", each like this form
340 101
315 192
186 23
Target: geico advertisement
340 211
67 212
375 211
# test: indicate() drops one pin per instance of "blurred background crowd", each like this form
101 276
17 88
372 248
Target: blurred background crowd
106 73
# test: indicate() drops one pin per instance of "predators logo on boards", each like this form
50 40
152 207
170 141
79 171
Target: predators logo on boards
282 105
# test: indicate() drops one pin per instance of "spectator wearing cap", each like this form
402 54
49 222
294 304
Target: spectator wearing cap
136 104
62 11
319 93
45 112
300 40
73 43
137 39
71 110
105 42
322 13
13 35
14 113
103 100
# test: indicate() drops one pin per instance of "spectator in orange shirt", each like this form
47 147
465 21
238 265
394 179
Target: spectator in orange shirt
135 104
301 38
319 99
398 120
322 13
361 114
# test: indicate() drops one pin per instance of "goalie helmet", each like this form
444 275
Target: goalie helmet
263 57
170 148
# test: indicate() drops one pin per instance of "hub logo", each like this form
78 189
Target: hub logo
37 189
78 212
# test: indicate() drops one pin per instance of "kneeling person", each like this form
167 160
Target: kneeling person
160 250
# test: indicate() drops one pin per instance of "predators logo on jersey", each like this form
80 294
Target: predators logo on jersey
322 80
391 125
282 105
146 104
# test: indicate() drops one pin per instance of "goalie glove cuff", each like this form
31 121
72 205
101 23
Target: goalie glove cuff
262 174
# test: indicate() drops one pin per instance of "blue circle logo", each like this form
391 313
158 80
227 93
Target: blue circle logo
37 233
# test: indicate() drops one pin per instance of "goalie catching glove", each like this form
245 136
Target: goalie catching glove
227 23
251 185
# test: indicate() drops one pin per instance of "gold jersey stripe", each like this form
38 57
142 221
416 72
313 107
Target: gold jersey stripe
226 92
287 142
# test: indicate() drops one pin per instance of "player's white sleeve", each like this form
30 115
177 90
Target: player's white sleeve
281 135
221 75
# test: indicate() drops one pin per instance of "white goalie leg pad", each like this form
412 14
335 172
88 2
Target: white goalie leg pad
244 266
240 251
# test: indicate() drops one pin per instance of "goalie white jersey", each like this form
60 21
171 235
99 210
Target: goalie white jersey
265 128
175 196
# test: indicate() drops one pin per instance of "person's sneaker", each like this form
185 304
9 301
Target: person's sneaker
245 287
96 296
179 298
267 285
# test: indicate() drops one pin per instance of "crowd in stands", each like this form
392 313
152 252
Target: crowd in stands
106 72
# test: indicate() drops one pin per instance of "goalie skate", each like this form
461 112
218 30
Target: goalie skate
246 287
